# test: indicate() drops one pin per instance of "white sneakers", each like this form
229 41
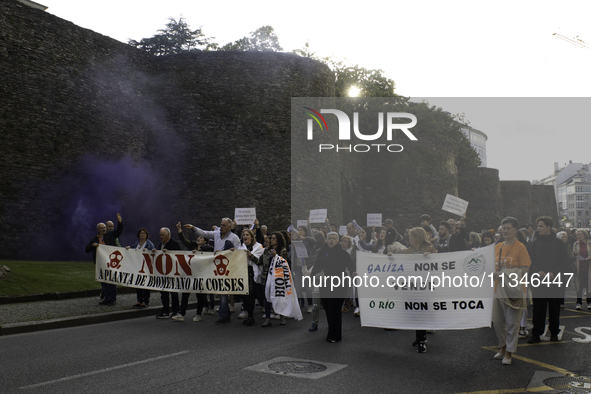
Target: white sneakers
243 315
197 318
178 317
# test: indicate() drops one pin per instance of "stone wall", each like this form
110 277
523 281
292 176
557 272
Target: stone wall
92 127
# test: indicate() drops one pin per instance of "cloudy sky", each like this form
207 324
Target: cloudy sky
488 53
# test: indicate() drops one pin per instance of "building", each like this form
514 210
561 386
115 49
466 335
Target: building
571 184
478 141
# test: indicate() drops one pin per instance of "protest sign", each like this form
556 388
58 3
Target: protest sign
455 205
300 249
318 216
343 230
374 219
245 215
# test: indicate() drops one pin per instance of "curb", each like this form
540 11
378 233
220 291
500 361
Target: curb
60 296
65 322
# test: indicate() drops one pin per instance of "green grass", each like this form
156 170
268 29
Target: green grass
35 277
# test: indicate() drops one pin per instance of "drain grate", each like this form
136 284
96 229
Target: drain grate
569 384
297 367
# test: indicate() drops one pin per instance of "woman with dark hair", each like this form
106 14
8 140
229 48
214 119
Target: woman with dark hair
511 257
420 244
142 243
366 243
254 251
299 262
380 244
276 247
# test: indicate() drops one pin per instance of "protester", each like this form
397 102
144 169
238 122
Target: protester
254 251
106 238
166 244
219 237
549 261
582 252
334 261
276 247
142 243
511 258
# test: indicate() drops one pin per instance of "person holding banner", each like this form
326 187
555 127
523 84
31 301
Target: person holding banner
276 248
166 244
254 251
334 261
142 243
511 257
106 238
420 244
220 236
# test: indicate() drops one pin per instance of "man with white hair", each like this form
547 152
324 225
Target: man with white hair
104 237
166 244
220 236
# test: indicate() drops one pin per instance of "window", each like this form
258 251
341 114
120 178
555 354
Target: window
579 197
580 205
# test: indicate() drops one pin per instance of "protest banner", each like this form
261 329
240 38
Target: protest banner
343 230
318 215
280 290
180 271
440 291
455 205
374 219
300 249
245 215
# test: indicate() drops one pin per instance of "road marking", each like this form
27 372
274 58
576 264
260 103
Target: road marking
103 370
506 391
535 362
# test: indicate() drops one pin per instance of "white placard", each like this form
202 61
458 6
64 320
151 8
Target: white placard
245 215
318 215
455 205
343 230
374 219
302 223
300 248
451 291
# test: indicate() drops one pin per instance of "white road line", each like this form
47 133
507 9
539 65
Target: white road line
102 370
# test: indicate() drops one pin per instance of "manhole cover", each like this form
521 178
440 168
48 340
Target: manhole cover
569 384
297 367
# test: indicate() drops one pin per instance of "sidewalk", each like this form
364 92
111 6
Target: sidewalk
22 317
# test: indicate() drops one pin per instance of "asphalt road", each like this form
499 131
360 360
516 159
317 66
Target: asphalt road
146 355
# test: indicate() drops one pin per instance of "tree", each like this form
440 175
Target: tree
177 37
262 39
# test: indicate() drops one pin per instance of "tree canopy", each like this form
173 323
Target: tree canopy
175 38
262 39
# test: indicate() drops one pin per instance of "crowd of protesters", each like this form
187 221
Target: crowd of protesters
531 248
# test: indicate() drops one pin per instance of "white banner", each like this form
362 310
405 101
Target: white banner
245 215
374 219
176 270
455 205
440 291
343 230
318 215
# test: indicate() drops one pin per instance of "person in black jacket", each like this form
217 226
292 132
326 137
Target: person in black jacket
448 241
166 244
104 237
333 260
549 260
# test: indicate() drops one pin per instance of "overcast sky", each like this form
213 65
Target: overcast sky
485 49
